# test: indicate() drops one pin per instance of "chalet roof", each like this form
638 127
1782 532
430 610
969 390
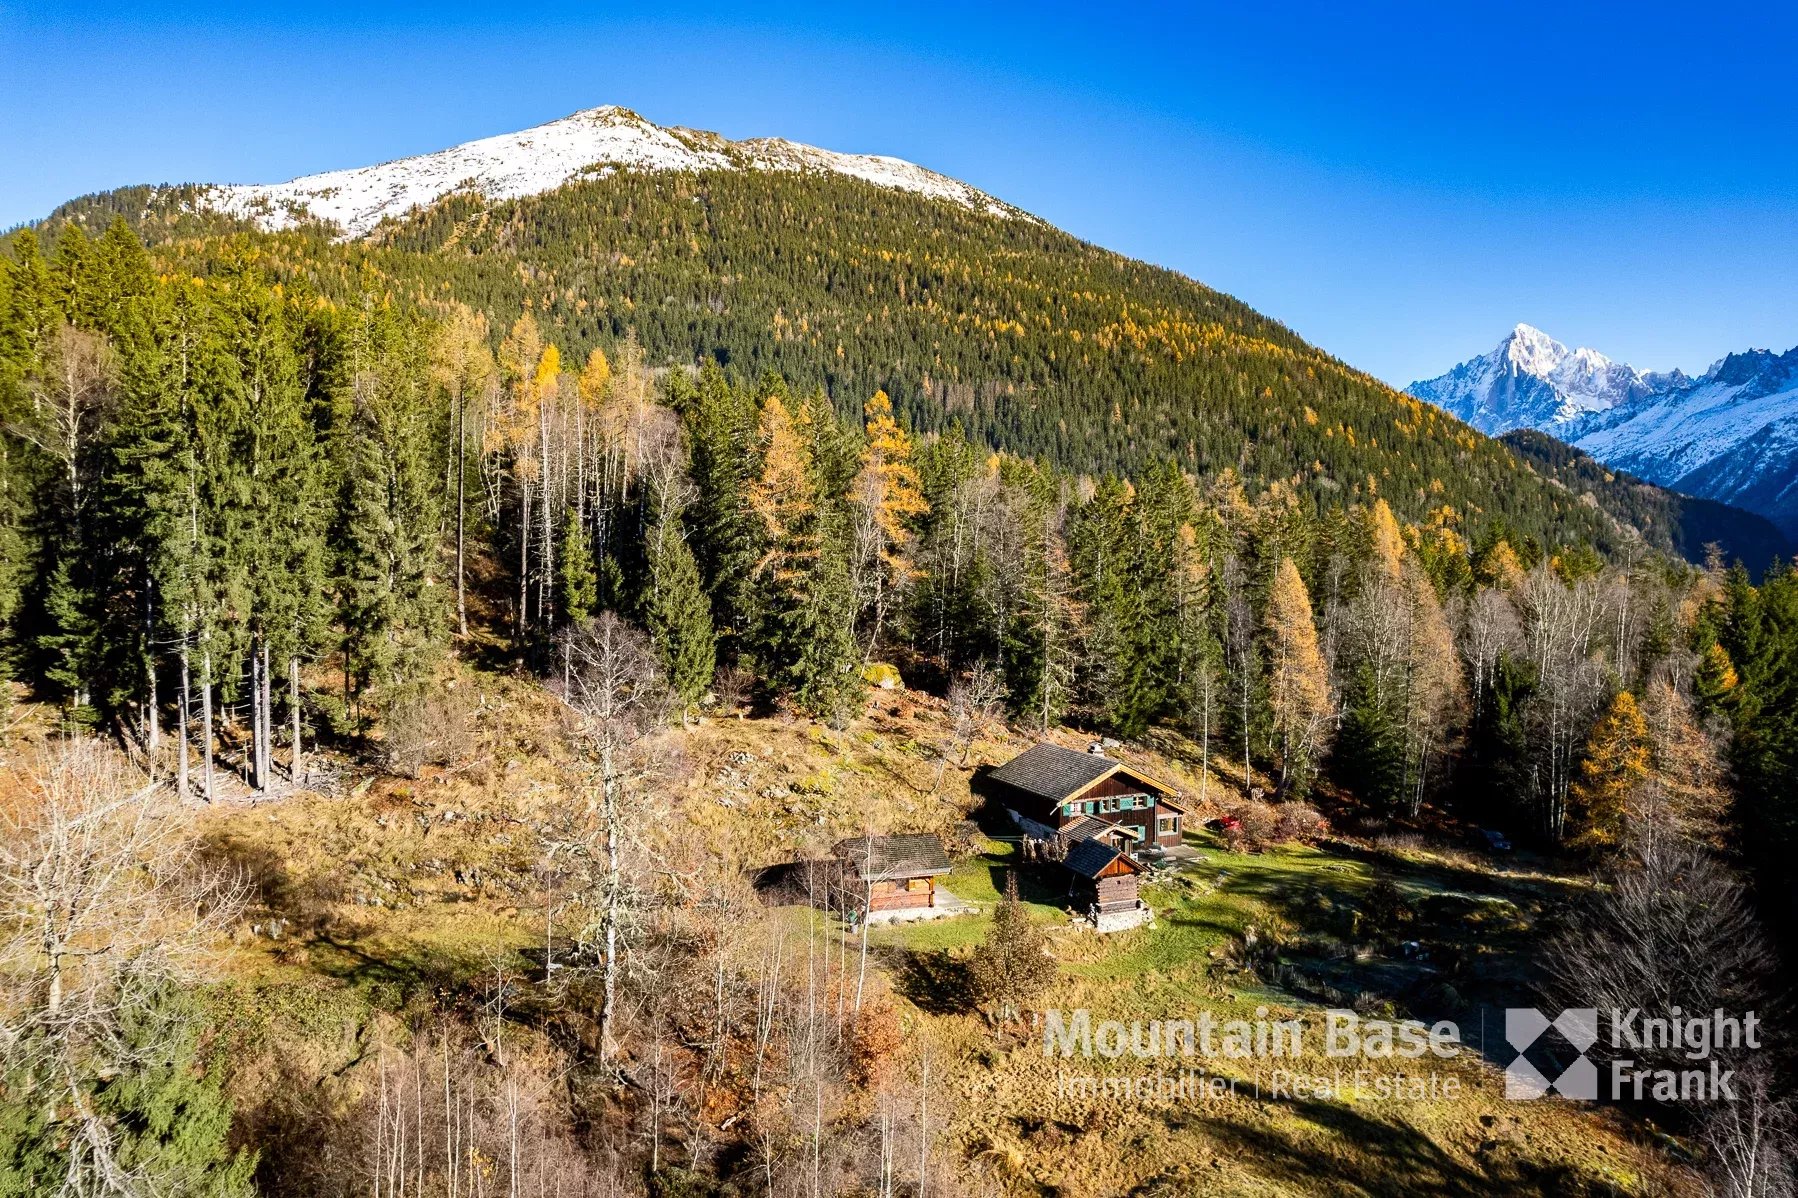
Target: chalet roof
1052 772
1089 858
884 858
1056 774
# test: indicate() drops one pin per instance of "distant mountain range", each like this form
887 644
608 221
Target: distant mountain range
1729 434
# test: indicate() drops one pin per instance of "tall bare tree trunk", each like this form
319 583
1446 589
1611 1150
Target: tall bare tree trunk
524 556
614 881
152 701
257 780
546 555
268 722
206 722
461 519
182 720
298 768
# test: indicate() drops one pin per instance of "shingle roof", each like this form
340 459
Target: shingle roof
1085 827
883 858
1052 772
1088 858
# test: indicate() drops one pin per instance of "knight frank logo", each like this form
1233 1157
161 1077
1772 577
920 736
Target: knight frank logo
1677 1038
1578 1026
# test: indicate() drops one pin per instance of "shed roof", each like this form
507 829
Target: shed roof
1089 827
884 858
1090 858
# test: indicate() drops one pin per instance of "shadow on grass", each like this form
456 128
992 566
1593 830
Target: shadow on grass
935 982
406 974
1390 1158
1045 885
1439 939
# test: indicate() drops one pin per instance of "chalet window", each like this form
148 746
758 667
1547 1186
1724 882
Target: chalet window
1070 809
1167 825
1141 832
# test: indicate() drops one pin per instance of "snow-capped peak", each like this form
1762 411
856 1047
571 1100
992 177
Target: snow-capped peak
1532 380
590 143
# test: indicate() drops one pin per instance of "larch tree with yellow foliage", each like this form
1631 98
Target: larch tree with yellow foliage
463 366
1298 683
884 499
514 423
805 641
546 382
1612 772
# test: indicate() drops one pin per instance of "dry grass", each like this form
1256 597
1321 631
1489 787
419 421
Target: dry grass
399 891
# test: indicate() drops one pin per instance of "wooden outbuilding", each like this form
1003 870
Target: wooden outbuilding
892 873
1104 877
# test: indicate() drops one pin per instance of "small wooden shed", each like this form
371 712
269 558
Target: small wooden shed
1104 877
894 873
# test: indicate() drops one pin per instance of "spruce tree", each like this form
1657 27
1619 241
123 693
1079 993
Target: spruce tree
679 619
1013 965
577 582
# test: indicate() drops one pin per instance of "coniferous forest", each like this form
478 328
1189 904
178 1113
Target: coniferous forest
272 507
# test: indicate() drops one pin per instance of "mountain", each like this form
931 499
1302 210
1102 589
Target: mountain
855 274
1533 381
588 144
1731 434
1688 524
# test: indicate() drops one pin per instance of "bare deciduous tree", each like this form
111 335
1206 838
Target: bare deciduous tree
103 898
616 695
1752 1142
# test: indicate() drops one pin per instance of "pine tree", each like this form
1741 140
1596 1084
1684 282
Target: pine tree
1013 964
721 431
577 582
679 620
391 612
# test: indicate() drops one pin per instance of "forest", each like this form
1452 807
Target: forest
1031 340
255 525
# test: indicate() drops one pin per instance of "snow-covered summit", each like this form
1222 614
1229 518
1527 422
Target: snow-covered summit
590 143
1533 381
1730 434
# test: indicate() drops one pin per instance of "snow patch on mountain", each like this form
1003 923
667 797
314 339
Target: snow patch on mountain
588 144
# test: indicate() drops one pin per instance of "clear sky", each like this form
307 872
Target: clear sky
1401 183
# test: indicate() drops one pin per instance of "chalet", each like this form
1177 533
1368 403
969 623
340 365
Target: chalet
892 876
1052 792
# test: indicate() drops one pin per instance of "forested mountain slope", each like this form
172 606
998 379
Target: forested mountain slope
1033 340
1686 522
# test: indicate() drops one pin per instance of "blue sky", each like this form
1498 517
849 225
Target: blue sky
1399 182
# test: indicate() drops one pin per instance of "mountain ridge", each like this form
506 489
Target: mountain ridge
1031 340
592 141
1729 434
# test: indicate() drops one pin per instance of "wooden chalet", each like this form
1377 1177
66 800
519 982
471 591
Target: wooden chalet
892 873
1057 793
